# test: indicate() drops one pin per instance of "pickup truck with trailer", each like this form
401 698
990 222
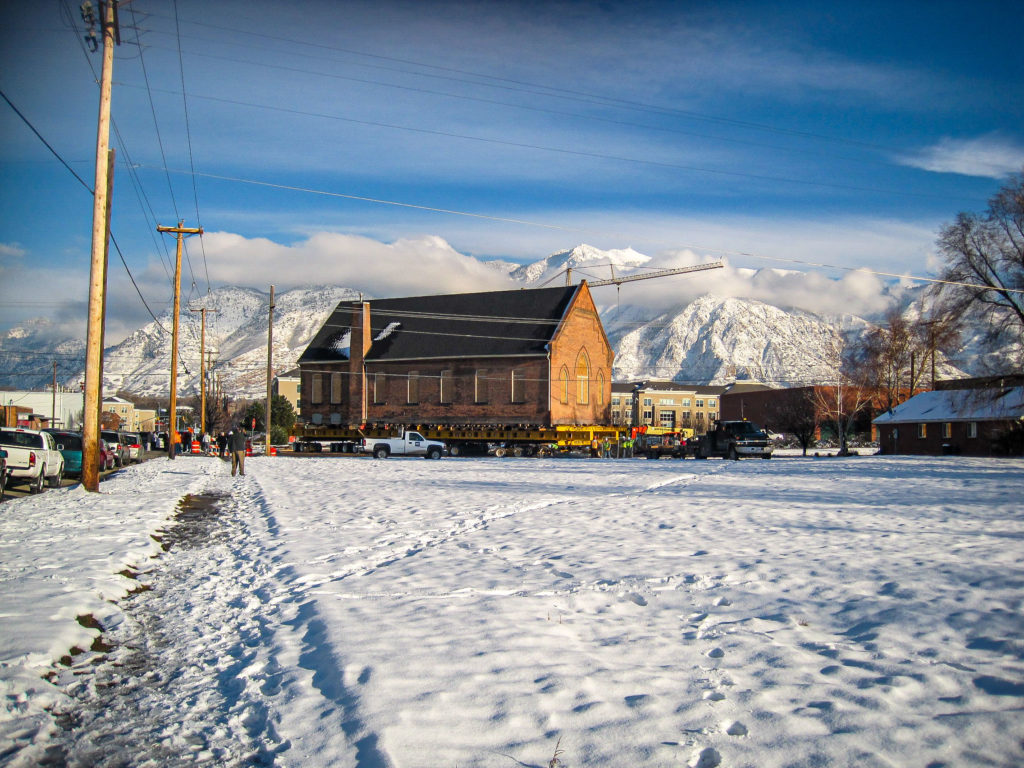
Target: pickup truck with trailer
732 440
32 457
410 443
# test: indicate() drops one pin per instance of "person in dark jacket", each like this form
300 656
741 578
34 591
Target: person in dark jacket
236 445
222 445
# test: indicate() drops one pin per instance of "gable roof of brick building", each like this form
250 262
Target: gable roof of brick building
488 324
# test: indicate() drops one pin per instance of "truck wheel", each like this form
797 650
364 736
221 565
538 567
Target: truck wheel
766 455
732 453
434 453
380 452
454 450
37 484
500 453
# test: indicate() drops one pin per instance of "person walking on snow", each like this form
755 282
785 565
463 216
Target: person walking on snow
222 445
236 445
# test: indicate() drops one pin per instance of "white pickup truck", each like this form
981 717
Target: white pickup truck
409 444
32 457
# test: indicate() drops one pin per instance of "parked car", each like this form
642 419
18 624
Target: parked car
107 459
117 445
134 445
70 446
33 457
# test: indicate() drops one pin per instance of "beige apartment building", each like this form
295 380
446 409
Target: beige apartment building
666 404
289 386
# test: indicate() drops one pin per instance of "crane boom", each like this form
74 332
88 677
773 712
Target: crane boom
659 273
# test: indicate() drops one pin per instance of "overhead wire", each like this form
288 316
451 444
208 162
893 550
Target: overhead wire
188 136
560 150
90 191
585 230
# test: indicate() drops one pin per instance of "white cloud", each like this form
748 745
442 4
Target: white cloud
986 156
409 266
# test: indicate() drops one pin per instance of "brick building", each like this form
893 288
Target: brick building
522 357
972 422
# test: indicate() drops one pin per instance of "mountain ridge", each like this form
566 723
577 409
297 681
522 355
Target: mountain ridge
708 340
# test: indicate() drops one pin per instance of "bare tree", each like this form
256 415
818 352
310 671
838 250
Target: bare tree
842 401
896 357
984 267
794 413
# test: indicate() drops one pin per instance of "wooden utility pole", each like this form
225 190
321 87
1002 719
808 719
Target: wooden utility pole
202 369
270 370
53 411
94 332
180 231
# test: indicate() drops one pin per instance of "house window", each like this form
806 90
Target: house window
686 402
712 416
922 430
648 402
711 402
600 387
412 387
335 388
518 394
379 387
582 378
700 403
615 400
947 430
447 386
318 389
480 386
563 389
972 429
648 416
668 419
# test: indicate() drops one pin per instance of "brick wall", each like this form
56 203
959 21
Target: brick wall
581 334
906 438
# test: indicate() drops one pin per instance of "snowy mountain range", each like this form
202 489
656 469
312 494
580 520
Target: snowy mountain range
704 339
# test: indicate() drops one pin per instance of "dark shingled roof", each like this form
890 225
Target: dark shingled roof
495 323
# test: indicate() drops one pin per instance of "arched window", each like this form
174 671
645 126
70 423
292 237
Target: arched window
583 378
600 387
563 390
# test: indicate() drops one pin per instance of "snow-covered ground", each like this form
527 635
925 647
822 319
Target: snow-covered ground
482 612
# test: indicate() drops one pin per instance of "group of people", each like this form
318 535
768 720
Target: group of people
231 445
604 448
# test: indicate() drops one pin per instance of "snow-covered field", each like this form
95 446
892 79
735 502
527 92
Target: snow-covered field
482 612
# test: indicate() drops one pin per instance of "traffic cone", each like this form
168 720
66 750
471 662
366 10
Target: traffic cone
273 450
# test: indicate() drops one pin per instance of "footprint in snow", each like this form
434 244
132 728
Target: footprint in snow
735 728
715 653
706 758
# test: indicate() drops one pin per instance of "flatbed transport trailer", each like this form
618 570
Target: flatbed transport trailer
471 440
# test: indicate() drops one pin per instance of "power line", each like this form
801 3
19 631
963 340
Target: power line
542 89
561 150
90 191
188 136
526 222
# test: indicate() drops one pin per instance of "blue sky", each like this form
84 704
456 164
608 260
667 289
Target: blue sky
768 133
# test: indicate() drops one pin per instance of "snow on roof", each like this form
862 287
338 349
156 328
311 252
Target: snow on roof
958 405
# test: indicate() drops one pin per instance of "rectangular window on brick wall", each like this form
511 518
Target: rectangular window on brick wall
518 394
480 386
318 389
972 429
947 430
335 388
379 387
922 431
447 387
412 392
